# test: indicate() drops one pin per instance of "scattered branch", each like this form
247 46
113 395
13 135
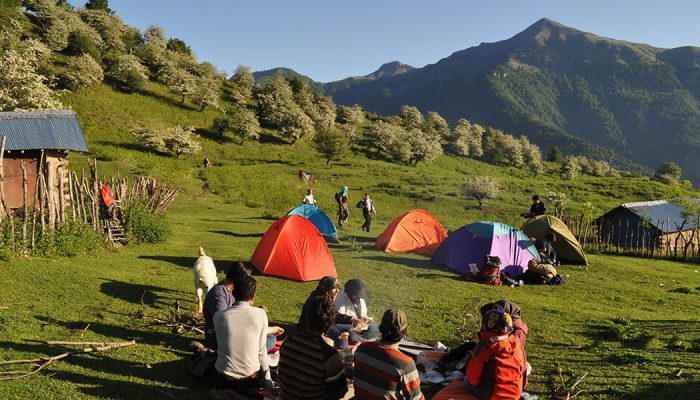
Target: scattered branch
566 390
37 364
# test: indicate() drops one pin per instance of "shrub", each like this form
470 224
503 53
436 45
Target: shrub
144 227
69 239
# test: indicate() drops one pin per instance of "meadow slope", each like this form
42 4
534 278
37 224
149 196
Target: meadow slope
629 323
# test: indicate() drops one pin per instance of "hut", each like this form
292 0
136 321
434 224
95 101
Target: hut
645 224
37 143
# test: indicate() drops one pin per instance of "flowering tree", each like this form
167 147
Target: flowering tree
244 81
331 143
436 126
22 87
245 125
481 188
279 110
423 147
81 72
182 140
129 71
350 115
411 118
149 138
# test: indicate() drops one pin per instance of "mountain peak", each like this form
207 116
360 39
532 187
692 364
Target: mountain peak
390 69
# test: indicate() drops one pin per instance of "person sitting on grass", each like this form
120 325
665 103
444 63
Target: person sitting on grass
497 369
220 297
382 371
537 208
328 286
352 314
545 249
242 364
309 368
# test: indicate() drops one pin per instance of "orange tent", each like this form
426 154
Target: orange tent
416 231
293 248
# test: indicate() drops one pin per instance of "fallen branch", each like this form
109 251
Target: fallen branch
99 344
43 362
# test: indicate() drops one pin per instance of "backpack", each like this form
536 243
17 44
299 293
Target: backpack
337 198
492 276
360 204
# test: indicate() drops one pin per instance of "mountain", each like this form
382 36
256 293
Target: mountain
385 70
587 94
263 76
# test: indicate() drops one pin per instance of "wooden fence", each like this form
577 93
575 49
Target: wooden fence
76 197
646 238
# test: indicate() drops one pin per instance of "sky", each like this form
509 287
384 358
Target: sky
333 39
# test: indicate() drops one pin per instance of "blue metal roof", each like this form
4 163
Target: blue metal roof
661 214
39 130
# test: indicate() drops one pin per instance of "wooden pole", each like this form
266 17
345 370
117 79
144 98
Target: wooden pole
26 206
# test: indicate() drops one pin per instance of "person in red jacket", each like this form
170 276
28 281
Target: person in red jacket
496 369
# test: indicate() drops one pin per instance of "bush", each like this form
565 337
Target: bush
143 227
70 239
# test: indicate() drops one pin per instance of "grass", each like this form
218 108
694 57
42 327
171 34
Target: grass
628 322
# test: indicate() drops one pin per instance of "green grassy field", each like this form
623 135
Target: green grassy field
628 322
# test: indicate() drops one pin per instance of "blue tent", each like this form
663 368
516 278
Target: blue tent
319 219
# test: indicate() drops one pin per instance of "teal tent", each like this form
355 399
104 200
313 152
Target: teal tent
319 218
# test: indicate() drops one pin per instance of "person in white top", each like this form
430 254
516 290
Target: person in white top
309 198
351 314
367 206
242 364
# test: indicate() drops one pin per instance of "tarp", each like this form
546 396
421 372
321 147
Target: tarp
293 248
319 218
566 246
471 243
416 231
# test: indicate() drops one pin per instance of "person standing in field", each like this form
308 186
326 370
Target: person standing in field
309 198
343 211
367 206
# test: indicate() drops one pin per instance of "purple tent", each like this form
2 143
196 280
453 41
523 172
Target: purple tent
471 243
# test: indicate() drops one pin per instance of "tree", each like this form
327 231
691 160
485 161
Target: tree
460 140
153 50
350 115
532 157
481 188
279 110
411 118
102 5
436 126
244 81
423 147
177 79
128 70
331 144
558 200
245 124
179 46
22 87
150 139
571 168
116 36
182 140
668 172
555 155
221 124
206 92
81 72
391 139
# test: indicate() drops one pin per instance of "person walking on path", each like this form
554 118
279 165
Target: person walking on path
367 206
343 211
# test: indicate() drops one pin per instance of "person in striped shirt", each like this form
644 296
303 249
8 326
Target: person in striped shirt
308 367
381 370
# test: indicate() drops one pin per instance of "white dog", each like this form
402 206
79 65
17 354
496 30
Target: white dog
204 277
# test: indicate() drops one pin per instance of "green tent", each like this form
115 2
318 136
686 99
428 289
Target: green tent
566 246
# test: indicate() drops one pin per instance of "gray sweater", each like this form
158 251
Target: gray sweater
241 333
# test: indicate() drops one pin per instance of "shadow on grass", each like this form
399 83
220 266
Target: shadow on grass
213 136
135 292
238 235
671 391
188 262
103 370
